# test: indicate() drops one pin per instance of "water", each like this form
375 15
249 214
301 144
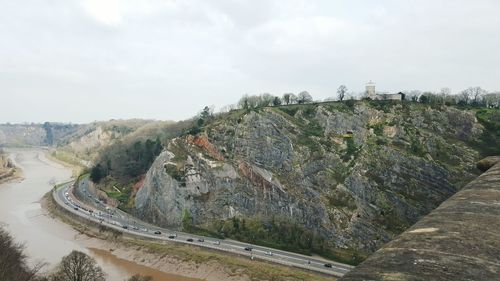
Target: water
48 240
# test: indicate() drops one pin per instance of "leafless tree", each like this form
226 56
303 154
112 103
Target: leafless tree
78 266
266 99
304 97
13 265
341 91
445 91
465 96
477 93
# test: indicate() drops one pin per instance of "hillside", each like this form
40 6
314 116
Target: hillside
46 134
337 179
85 144
80 144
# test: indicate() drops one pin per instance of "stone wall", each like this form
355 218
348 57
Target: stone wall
460 240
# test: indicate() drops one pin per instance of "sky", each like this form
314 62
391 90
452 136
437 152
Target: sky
81 61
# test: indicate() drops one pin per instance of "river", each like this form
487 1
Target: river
47 239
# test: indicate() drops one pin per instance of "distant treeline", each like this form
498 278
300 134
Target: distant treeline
472 96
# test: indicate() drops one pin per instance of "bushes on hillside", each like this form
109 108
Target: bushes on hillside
126 161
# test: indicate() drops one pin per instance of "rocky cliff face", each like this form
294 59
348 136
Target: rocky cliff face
35 134
356 174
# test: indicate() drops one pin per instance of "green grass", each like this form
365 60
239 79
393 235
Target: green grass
120 196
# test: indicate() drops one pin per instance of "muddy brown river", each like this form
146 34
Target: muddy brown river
47 239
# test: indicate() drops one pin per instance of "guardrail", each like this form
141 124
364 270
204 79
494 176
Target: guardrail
206 245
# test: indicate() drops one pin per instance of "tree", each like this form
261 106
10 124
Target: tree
445 91
265 99
49 135
304 97
97 173
477 93
341 91
206 113
276 101
78 266
464 96
13 262
243 103
424 98
287 98
412 95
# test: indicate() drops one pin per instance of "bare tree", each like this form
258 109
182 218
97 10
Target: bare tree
445 91
78 266
477 93
341 91
13 265
465 96
304 97
265 99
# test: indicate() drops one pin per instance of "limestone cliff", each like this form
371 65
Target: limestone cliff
355 173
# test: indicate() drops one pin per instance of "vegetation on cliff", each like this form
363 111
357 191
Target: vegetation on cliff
372 169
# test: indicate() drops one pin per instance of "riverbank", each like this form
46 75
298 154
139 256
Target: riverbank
173 258
10 173
65 161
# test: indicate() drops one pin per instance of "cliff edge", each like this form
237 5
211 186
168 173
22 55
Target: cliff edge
460 240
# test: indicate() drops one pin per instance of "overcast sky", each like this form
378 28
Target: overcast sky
80 61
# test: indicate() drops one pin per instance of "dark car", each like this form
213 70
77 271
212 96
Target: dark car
171 236
248 249
329 265
158 232
76 208
201 240
125 227
189 239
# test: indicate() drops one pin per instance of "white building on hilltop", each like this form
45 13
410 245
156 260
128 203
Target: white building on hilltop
371 93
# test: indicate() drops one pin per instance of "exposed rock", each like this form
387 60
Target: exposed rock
325 167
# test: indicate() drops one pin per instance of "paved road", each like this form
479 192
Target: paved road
94 210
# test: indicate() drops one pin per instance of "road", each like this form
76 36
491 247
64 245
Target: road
96 211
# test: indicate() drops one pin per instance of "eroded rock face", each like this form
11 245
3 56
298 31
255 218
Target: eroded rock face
357 176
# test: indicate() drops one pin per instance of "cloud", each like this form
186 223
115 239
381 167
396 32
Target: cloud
166 59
